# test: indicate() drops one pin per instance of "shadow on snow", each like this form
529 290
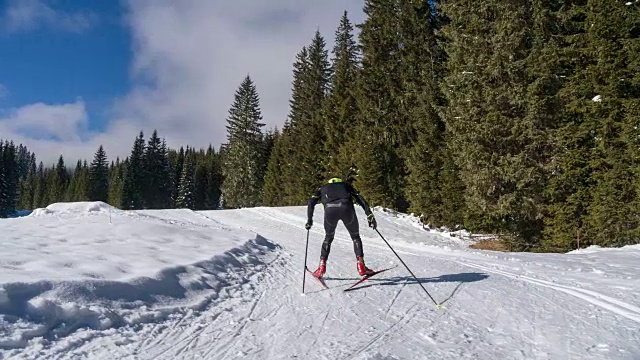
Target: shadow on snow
460 278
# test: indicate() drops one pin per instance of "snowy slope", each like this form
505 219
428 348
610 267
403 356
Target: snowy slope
85 280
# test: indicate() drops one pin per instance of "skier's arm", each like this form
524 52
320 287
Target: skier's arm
360 200
367 210
312 204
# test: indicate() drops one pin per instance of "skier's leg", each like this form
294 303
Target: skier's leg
350 220
331 218
330 223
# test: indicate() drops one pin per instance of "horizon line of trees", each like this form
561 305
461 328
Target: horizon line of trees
515 119
152 177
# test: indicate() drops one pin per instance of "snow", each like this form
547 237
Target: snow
85 280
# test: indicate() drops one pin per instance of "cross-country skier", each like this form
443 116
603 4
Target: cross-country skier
338 198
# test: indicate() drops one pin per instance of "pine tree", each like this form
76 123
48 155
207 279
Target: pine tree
613 215
421 100
152 164
493 117
99 177
134 181
367 154
340 108
57 183
383 132
78 189
275 193
178 166
200 186
158 179
452 205
593 197
27 190
11 171
168 186
305 136
631 102
186 192
310 130
23 161
214 181
117 174
284 168
567 189
243 159
40 188
270 139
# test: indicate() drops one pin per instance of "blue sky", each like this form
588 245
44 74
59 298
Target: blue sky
53 63
76 74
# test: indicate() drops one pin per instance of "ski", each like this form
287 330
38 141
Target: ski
320 280
367 277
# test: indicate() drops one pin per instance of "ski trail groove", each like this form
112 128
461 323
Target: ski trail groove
162 333
393 301
613 305
315 340
234 338
380 335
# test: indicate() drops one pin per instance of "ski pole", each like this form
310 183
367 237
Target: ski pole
405 265
304 271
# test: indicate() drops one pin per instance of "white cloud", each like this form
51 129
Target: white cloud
50 130
189 57
27 15
41 121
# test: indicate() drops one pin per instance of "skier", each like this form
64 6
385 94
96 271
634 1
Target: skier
338 198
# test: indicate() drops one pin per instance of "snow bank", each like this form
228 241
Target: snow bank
54 309
88 265
75 209
597 249
91 245
429 236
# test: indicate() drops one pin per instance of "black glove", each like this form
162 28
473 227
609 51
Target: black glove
372 221
308 224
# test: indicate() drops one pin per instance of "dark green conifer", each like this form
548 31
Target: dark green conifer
243 158
99 177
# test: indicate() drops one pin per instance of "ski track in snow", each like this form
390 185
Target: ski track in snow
615 306
255 309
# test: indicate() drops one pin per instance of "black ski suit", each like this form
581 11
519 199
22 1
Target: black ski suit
338 199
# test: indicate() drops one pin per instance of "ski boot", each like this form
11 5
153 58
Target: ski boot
363 270
322 268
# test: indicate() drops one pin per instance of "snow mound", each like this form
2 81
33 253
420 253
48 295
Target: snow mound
597 249
75 208
55 309
439 236
41 212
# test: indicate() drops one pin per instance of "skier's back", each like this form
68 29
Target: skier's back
338 198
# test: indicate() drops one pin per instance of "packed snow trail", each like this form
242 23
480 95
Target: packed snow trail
243 295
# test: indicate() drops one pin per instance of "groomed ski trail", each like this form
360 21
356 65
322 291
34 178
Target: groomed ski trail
490 313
